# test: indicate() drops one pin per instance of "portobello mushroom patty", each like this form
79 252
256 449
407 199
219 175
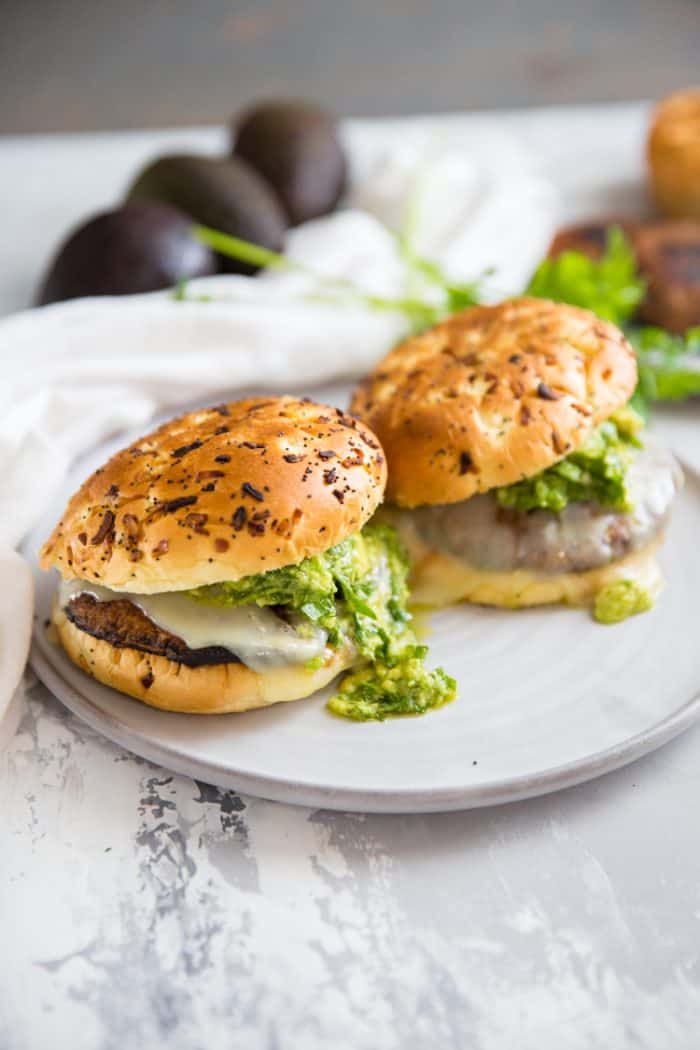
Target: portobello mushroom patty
124 625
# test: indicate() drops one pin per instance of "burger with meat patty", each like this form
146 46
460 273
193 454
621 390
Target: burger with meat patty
518 473
224 562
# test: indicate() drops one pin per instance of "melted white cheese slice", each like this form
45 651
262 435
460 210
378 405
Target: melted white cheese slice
440 579
260 639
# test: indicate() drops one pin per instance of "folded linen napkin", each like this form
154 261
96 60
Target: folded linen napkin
76 372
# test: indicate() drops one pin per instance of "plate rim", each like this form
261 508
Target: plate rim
375 800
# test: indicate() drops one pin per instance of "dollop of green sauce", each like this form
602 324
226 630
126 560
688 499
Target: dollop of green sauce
617 601
597 471
405 688
358 592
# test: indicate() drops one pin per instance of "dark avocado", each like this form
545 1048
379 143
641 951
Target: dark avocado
296 147
224 193
139 247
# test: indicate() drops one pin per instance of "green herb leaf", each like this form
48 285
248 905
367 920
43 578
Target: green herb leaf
455 296
420 311
244 251
609 286
669 365
336 290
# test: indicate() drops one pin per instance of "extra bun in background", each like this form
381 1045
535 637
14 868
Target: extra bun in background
219 494
673 153
493 395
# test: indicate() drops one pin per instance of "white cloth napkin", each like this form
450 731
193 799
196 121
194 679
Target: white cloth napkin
16 591
76 372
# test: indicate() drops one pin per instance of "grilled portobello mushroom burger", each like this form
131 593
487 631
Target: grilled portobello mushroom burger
224 562
518 473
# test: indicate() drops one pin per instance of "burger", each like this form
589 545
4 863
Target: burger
518 473
225 562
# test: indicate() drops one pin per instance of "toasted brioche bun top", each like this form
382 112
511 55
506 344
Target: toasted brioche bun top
219 494
493 395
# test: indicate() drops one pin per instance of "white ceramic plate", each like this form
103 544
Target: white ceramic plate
547 699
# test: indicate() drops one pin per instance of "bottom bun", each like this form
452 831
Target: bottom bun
212 690
440 579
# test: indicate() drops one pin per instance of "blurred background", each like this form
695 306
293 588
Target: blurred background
81 65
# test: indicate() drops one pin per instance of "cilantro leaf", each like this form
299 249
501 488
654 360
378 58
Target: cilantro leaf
668 365
609 286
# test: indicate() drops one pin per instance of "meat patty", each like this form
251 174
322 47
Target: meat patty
668 257
123 625
589 238
668 254
581 537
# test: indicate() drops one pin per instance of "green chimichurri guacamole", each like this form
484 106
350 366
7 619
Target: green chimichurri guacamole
356 591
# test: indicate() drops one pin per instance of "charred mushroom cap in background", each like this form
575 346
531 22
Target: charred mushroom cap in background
668 257
581 537
591 237
668 254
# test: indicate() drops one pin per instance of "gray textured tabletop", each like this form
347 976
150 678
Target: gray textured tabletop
140 908
143 909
